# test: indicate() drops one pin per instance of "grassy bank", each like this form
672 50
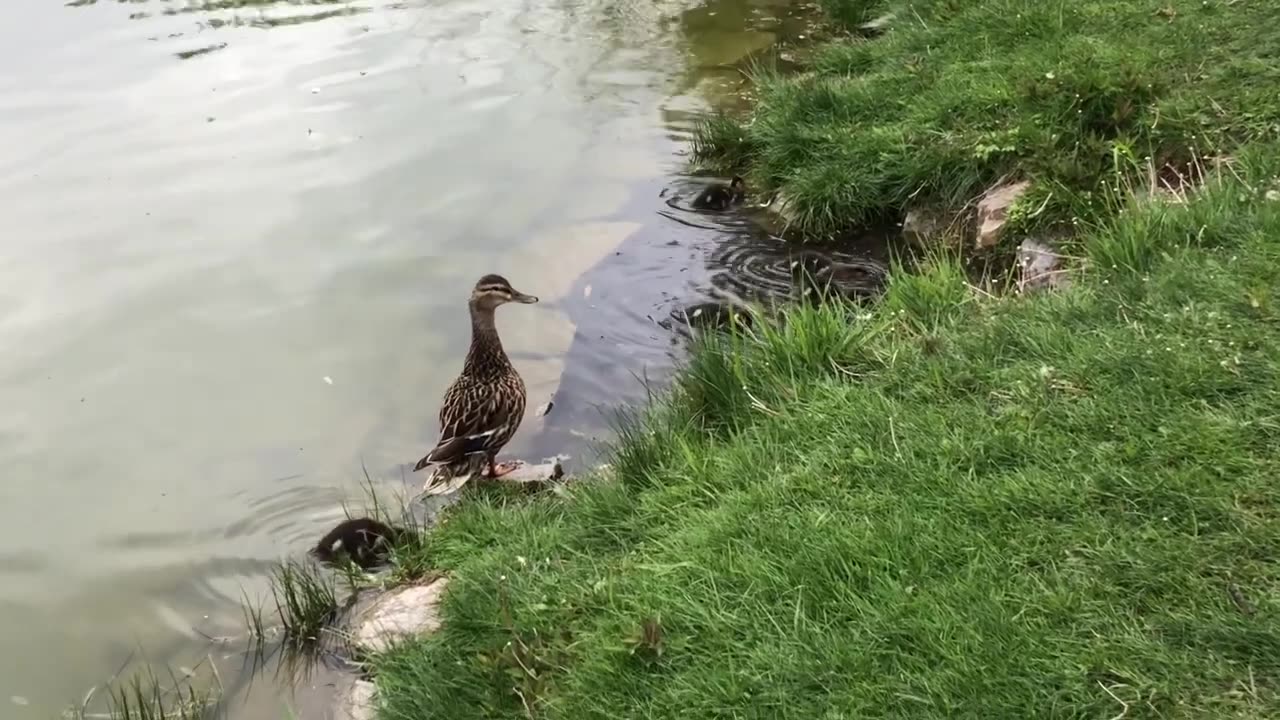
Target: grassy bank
1053 506
950 505
958 93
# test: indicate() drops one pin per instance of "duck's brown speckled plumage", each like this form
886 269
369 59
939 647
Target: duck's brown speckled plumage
483 407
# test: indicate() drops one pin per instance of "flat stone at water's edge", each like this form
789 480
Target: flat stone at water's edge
378 621
542 472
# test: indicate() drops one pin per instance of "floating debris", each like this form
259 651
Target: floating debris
188 54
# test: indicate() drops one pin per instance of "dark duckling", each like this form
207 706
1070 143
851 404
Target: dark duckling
712 314
364 541
719 196
817 278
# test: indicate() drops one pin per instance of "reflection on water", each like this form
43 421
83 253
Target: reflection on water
214 14
238 241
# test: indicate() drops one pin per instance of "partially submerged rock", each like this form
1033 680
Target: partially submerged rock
783 207
993 211
357 701
379 620
1040 266
548 470
446 481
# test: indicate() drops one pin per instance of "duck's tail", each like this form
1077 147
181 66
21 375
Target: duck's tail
457 449
448 478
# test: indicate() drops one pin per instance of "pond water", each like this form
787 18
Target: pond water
238 236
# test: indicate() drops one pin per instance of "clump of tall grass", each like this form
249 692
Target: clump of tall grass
306 602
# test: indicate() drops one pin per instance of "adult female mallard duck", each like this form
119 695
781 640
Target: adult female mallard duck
483 407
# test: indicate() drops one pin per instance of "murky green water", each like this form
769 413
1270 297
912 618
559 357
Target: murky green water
237 240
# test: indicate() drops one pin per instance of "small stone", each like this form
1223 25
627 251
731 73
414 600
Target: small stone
1040 266
993 211
547 471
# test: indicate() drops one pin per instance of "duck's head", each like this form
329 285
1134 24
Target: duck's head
494 290
737 184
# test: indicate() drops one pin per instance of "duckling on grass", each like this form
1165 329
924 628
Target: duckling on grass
483 407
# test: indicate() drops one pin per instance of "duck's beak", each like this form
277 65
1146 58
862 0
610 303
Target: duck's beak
517 296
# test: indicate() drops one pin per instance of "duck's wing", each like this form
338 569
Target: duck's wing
472 418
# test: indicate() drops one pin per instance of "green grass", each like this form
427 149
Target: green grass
959 93
950 506
306 602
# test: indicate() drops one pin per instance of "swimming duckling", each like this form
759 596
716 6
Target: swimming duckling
817 278
713 314
719 196
484 406
365 541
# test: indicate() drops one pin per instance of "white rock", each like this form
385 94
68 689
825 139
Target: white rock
358 702
993 211
545 471
1040 265
397 615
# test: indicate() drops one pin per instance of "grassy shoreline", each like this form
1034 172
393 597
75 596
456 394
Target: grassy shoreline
951 504
1051 506
959 93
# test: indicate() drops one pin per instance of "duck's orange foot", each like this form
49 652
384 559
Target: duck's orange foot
497 471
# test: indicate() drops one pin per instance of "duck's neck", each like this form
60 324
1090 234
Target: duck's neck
486 347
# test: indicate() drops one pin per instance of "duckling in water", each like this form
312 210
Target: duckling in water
713 314
719 196
365 541
817 278
484 406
